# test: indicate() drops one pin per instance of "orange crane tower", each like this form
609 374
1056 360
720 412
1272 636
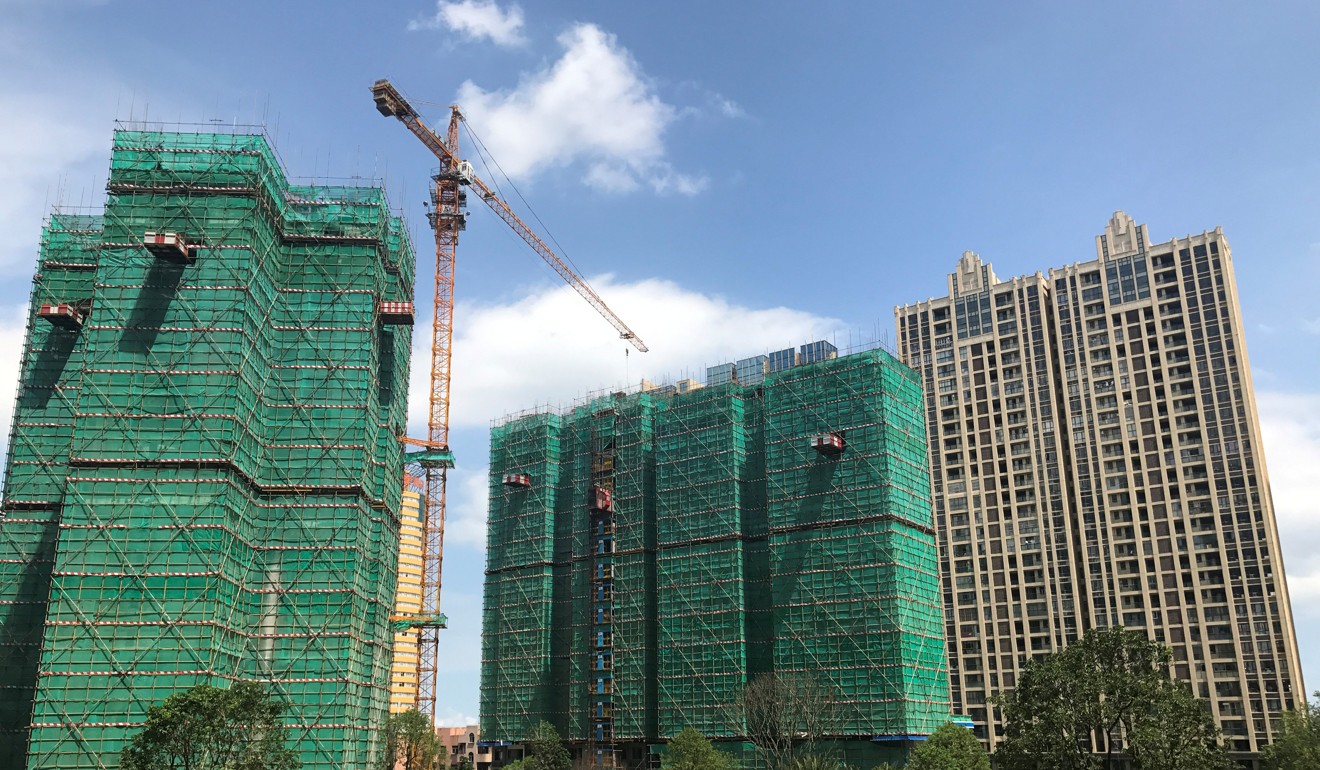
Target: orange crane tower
448 217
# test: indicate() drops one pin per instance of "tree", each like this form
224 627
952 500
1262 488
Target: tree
690 750
544 751
950 747
1044 726
1297 745
818 762
410 741
1177 733
1109 692
207 728
785 714
827 761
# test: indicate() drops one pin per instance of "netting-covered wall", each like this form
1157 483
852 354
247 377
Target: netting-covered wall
708 495
853 564
516 661
516 650
215 447
734 547
599 684
633 600
37 466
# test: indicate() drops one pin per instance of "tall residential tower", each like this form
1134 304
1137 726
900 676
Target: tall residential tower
1096 461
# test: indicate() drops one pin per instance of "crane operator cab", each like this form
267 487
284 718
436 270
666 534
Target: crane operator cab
464 172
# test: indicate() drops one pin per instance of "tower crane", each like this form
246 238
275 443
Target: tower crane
448 217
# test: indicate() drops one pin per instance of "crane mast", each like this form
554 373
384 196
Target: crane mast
448 217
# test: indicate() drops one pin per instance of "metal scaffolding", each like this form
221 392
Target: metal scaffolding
781 526
204 479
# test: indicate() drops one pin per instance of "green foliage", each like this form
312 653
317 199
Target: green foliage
1297 744
545 751
690 750
950 747
1111 687
815 762
1177 733
410 741
785 714
206 728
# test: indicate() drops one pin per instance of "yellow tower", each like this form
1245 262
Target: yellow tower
403 673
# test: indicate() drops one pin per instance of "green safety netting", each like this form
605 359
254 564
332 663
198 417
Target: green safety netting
734 548
203 480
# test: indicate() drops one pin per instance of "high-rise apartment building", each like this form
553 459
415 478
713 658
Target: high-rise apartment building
651 553
1096 461
404 683
203 479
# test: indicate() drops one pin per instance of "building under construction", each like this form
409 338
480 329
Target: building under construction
203 479
653 552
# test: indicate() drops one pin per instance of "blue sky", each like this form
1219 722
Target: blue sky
733 177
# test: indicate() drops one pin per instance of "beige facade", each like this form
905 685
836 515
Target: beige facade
1097 461
407 602
460 747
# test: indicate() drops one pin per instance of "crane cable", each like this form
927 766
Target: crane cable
483 153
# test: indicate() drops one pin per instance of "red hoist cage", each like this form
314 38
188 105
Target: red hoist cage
448 217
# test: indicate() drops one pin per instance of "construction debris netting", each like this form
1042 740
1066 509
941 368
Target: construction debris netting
203 478
732 546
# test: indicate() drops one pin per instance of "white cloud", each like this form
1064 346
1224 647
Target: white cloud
550 347
46 143
1303 590
466 506
664 179
728 107
610 178
477 20
449 716
13 325
712 104
1290 424
594 105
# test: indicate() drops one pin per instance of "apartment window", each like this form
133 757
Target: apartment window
972 315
